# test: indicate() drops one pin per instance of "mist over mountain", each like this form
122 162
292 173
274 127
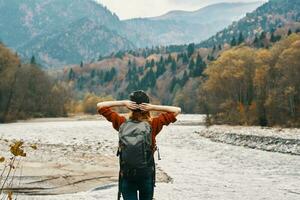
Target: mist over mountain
60 32
180 27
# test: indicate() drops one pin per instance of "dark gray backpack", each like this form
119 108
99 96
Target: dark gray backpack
135 145
135 151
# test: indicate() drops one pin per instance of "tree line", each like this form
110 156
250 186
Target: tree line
27 91
172 70
250 86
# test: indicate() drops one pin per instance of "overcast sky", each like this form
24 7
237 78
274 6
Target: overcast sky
126 9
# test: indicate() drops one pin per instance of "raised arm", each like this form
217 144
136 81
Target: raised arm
112 116
129 104
151 107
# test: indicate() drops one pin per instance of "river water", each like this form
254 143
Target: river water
199 168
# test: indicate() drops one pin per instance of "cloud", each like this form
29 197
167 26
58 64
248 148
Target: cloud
136 8
126 9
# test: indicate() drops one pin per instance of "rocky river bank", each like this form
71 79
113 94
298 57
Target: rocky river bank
75 160
282 140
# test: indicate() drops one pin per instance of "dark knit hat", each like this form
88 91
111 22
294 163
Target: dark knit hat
139 97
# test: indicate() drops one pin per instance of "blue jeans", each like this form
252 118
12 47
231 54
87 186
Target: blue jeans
145 187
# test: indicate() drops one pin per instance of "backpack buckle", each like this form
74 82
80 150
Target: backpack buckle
118 152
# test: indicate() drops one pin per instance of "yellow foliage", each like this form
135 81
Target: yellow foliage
2 159
251 86
88 104
17 149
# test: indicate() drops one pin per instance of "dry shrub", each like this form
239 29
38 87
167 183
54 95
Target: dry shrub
7 179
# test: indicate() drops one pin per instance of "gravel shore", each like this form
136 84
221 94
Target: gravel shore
75 160
282 140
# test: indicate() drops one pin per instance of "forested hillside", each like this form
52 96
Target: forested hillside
250 86
180 75
269 20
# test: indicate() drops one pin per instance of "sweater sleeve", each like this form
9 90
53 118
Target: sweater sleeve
112 116
161 120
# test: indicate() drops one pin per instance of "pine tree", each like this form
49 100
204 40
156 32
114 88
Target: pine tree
100 76
93 73
220 47
80 83
71 75
233 42
173 66
106 76
199 60
190 49
200 66
172 84
214 48
275 38
210 57
185 59
241 38
152 63
113 72
81 64
147 65
191 65
32 60
151 78
290 32
169 59
144 54
272 39
161 60
262 39
262 36
184 79
160 69
256 42
178 57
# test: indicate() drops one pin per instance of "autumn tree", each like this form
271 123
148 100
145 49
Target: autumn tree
230 84
255 87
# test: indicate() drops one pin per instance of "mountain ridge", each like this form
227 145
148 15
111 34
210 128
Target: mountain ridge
267 18
205 8
35 23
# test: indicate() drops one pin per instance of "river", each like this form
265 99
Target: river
199 168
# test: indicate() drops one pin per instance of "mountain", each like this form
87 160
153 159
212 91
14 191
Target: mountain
272 18
23 20
181 27
173 74
212 13
59 32
81 40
